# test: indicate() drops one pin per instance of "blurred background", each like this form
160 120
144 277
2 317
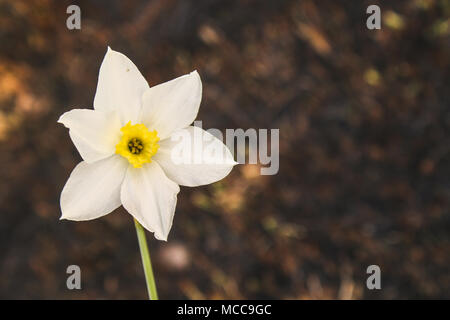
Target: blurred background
364 121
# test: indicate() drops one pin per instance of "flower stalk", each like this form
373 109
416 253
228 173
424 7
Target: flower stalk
146 262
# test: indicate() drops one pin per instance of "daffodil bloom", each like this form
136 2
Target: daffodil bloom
126 145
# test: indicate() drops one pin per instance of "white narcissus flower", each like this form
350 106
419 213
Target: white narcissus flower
126 144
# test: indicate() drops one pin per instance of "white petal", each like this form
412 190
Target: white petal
93 189
94 133
120 87
150 197
172 105
193 157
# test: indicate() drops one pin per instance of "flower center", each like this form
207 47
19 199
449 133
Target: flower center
137 144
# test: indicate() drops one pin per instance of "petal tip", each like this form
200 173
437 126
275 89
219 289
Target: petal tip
110 51
61 119
195 74
161 238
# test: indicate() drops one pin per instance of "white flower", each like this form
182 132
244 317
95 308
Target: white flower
125 143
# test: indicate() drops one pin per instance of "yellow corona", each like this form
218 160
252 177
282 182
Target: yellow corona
137 144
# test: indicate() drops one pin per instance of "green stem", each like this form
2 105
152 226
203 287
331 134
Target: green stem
146 262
